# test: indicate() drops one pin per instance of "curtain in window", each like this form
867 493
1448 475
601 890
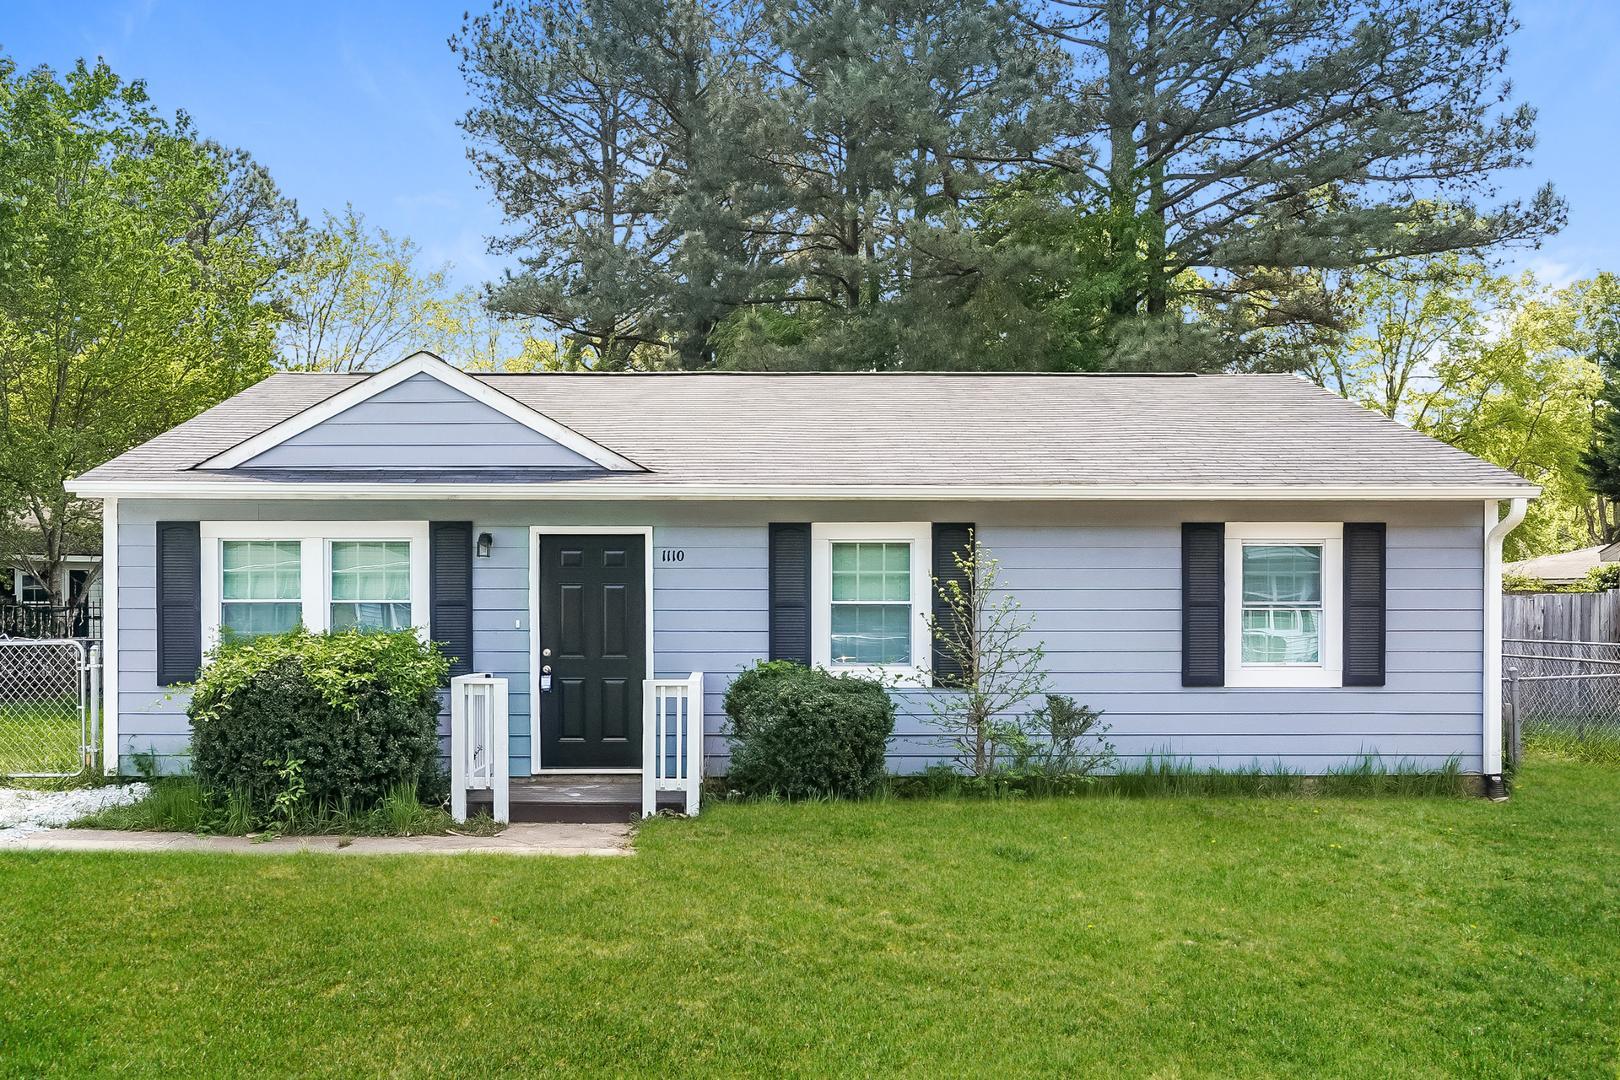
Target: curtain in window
260 589
871 603
371 584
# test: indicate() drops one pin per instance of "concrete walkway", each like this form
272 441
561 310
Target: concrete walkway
550 839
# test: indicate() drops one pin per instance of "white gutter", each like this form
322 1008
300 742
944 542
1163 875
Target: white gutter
568 490
1495 532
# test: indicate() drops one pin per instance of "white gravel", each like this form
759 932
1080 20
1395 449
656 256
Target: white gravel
23 811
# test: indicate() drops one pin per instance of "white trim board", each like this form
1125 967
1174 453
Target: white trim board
315 569
227 487
421 363
535 532
919 535
109 637
1329 535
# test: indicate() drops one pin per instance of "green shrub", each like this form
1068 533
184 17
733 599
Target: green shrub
353 713
802 732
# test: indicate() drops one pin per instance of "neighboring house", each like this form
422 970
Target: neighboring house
25 603
1236 569
77 576
1566 567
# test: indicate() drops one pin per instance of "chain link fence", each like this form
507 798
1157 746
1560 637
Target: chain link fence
1563 698
48 693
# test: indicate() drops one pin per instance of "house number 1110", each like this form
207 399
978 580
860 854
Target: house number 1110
671 555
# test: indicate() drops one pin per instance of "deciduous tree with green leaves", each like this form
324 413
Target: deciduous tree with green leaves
1499 366
131 297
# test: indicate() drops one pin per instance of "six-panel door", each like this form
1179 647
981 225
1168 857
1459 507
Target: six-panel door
593 611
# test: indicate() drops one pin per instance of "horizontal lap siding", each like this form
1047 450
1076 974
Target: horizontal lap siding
419 423
1106 603
501 631
710 613
151 718
1105 600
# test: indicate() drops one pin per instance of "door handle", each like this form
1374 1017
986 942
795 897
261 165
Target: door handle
546 670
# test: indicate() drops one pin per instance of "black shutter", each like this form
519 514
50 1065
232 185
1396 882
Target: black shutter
1203 596
1364 620
790 592
450 604
949 541
179 601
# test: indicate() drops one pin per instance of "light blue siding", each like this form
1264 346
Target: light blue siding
710 611
1102 584
419 423
1106 603
501 628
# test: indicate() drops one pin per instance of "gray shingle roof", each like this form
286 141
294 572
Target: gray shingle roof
1070 433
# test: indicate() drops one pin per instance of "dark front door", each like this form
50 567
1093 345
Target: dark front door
593 611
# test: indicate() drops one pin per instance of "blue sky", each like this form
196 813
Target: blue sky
356 101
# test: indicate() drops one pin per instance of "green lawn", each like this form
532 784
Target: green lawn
39 736
1162 937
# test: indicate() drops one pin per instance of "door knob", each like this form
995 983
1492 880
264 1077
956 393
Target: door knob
546 670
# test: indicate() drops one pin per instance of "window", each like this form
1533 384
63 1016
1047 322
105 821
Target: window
1282 603
264 577
870 594
260 587
871 604
371 584
30 590
1283 586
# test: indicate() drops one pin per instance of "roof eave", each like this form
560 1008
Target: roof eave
225 488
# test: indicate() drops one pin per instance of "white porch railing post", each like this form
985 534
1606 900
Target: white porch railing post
458 750
694 742
671 726
478 743
649 748
500 767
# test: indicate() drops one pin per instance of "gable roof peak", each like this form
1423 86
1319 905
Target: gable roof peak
419 363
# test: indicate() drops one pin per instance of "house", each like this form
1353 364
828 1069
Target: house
76 577
1566 567
25 603
1235 568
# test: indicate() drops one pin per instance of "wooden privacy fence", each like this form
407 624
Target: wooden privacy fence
1562 616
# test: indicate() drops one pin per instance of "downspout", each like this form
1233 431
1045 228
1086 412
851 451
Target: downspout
1491 751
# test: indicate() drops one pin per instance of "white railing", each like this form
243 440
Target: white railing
672 740
478 743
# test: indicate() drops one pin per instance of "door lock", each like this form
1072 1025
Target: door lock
545 652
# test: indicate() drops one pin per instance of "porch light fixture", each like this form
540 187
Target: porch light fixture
486 543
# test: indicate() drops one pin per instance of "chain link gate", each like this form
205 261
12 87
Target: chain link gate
1564 695
49 707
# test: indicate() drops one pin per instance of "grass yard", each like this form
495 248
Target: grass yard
1162 937
39 735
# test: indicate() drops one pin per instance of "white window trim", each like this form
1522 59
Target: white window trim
1330 535
919 534
17 589
315 579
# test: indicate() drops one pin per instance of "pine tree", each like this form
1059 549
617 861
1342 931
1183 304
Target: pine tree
1258 143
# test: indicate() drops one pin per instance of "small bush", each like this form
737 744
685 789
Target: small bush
799 732
329 719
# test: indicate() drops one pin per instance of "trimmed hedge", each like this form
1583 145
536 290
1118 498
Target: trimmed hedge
801 732
358 709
